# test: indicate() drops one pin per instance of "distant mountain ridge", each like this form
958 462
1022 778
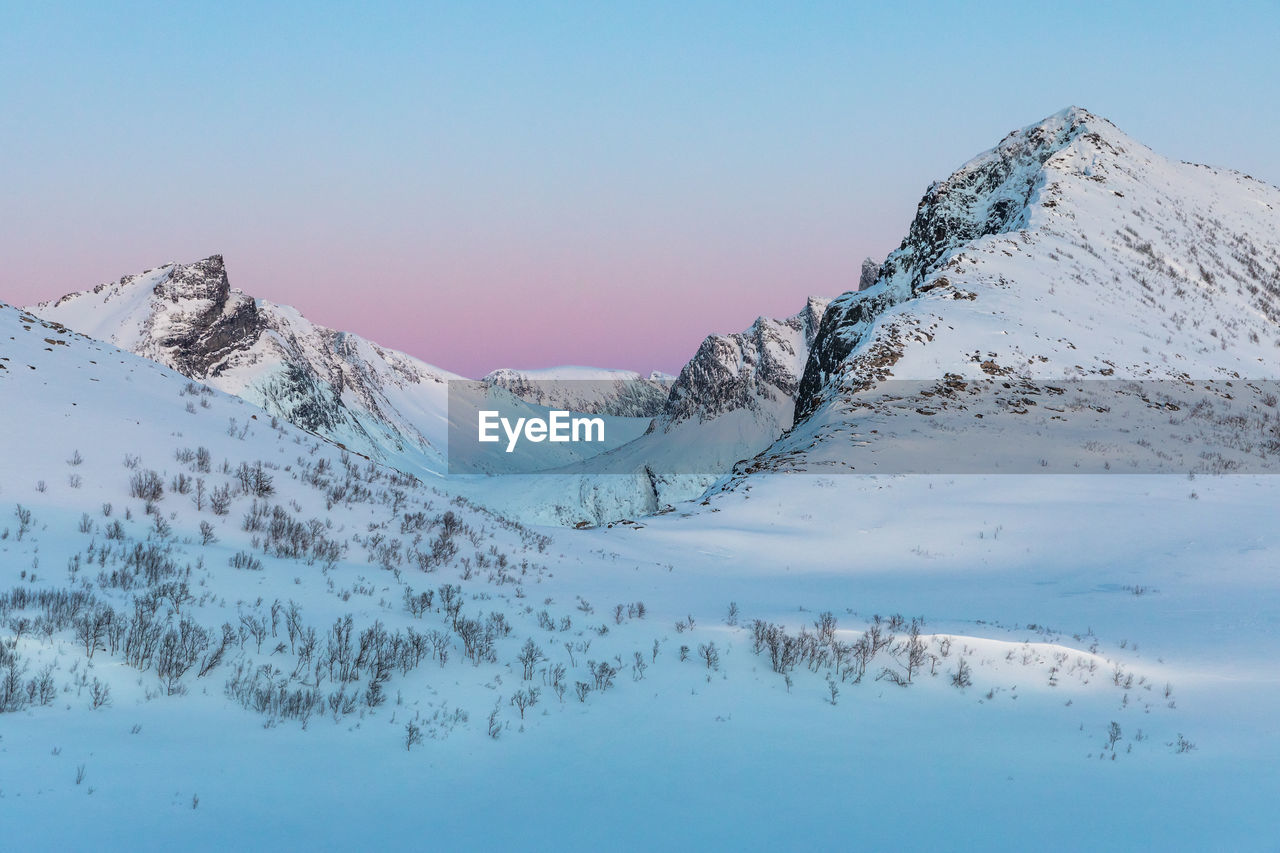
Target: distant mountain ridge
751 370
595 390
1068 251
380 402
731 401
393 407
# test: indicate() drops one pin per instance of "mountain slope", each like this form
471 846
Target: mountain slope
1068 251
735 396
623 393
379 402
273 669
757 370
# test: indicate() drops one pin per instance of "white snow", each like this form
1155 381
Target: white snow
1077 602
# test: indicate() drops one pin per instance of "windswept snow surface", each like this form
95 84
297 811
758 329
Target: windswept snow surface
1043 585
1075 662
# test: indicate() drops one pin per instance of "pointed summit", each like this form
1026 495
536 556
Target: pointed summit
382 403
1067 249
206 279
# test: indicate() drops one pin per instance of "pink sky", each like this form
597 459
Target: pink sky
637 301
525 186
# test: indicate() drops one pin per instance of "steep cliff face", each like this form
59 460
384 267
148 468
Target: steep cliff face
210 321
379 402
870 272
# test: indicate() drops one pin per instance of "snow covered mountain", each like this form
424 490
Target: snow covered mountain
757 371
220 621
595 390
731 400
734 397
379 402
1068 251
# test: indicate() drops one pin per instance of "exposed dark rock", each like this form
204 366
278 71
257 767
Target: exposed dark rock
870 272
989 195
742 370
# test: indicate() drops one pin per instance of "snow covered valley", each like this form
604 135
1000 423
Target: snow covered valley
219 629
1073 603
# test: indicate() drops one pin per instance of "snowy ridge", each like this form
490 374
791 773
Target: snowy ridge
733 398
1068 251
380 402
595 390
757 370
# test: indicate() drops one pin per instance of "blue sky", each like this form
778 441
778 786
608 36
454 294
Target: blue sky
523 184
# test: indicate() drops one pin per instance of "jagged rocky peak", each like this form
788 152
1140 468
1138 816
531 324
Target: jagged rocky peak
991 194
209 322
1067 250
870 272
376 401
810 318
183 315
752 370
206 279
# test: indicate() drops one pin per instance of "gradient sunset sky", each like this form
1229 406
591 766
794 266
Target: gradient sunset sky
519 184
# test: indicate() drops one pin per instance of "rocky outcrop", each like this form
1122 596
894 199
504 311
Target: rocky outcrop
209 323
988 195
870 272
382 403
749 370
